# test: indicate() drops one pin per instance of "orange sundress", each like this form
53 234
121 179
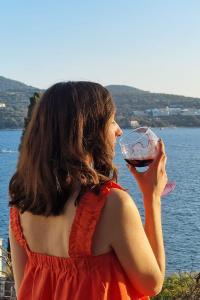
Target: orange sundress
82 276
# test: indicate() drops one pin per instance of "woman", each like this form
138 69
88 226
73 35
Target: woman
75 233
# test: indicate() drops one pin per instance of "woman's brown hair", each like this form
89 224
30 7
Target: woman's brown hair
67 126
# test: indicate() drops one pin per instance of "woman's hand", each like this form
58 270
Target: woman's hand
152 182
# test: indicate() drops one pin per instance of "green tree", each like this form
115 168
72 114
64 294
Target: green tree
180 286
33 100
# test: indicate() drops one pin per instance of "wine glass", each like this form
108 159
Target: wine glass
139 148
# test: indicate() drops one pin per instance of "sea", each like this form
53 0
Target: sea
180 208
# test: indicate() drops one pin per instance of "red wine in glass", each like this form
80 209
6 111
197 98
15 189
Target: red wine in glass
139 148
139 162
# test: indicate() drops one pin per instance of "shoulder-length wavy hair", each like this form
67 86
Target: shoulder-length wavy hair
67 126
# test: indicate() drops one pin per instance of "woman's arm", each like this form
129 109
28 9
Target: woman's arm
19 259
152 183
153 230
131 244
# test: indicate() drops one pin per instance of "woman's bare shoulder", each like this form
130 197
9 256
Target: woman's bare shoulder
118 198
118 203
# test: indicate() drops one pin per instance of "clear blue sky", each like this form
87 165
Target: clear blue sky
153 45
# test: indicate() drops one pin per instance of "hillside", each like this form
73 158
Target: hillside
141 100
14 100
130 100
9 85
15 95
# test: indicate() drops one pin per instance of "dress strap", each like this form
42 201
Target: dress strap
87 216
16 228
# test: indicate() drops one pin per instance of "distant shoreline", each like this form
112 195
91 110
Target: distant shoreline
161 127
10 129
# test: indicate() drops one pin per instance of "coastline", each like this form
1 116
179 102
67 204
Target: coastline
127 127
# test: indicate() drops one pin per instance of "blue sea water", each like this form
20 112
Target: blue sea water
180 209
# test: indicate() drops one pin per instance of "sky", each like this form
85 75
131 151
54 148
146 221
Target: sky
152 45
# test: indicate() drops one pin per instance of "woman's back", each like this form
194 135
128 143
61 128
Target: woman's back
51 235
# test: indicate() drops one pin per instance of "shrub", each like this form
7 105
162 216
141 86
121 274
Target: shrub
7 272
182 285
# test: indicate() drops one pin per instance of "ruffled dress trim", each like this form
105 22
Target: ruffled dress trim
16 227
87 216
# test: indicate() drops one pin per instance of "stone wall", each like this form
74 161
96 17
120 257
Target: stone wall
7 289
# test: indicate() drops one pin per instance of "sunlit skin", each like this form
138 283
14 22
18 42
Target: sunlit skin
114 131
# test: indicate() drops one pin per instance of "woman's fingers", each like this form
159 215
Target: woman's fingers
160 155
163 158
133 170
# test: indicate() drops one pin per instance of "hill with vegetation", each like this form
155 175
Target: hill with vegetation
129 100
15 98
15 95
